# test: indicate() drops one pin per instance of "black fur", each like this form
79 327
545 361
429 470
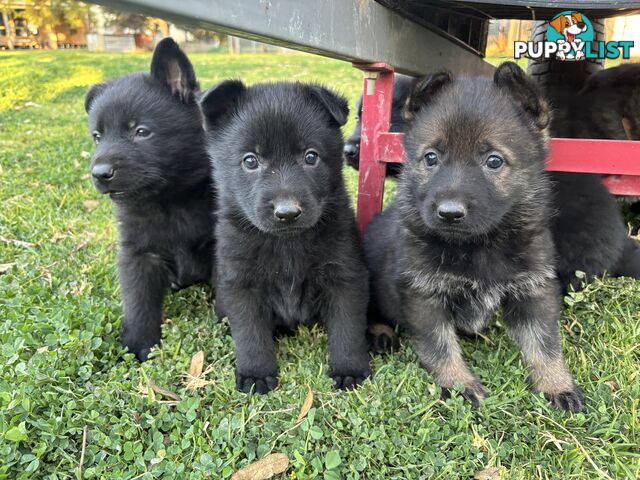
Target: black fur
287 248
589 229
598 110
467 234
151 159
402 86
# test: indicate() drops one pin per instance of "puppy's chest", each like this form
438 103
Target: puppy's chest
290 279
293 297
472 285
180 238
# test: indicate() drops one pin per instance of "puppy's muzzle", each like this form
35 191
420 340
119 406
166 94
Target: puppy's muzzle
103 172
451 211
286 211
351 153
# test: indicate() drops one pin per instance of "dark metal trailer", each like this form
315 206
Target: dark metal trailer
407 36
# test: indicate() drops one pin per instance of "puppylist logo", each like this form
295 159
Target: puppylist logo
570 37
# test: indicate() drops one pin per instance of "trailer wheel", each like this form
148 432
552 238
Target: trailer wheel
552 72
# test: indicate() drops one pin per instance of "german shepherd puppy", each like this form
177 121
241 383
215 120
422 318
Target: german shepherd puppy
151 159
468 231
401 88
587 226
287 248
588 229
607 106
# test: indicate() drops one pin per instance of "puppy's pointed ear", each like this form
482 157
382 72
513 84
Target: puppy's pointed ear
93 93
171 67
527 95
424 91
219 101
336 105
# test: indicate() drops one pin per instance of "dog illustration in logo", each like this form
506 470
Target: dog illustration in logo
569 26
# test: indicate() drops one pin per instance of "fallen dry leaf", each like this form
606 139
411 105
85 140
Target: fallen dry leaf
151 389
195 379
46 274
90 204
80 246
612 385
164 392
4 267
146 391
263 469
489 473
197 362
79 289
306 405
17 243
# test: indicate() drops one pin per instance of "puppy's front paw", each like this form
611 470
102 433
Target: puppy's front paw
382 338
473 392
248 383
140 347
349 381
570 401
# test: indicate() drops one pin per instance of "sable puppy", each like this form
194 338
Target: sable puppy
151 159
468 231
402 85
587 226
287 248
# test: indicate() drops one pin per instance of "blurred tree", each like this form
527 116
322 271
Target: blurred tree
5 27
49 13
46 15
127 21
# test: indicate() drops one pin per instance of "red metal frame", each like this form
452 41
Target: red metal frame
617 160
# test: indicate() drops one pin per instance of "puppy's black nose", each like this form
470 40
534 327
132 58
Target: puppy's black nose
350 150
451 211
102 172
287 211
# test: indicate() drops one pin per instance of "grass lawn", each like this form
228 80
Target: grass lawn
62 369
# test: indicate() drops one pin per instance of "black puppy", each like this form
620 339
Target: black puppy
468 231
402 86
287 248
588 229
607 106
151 159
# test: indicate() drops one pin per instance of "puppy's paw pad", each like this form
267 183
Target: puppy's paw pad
349 381
143 354
261 385
382 339
473 393
570 401
474 396
140 351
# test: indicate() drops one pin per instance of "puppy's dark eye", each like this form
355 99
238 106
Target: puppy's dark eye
96 137
311 157
431 159
142 132
494 162
250 161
